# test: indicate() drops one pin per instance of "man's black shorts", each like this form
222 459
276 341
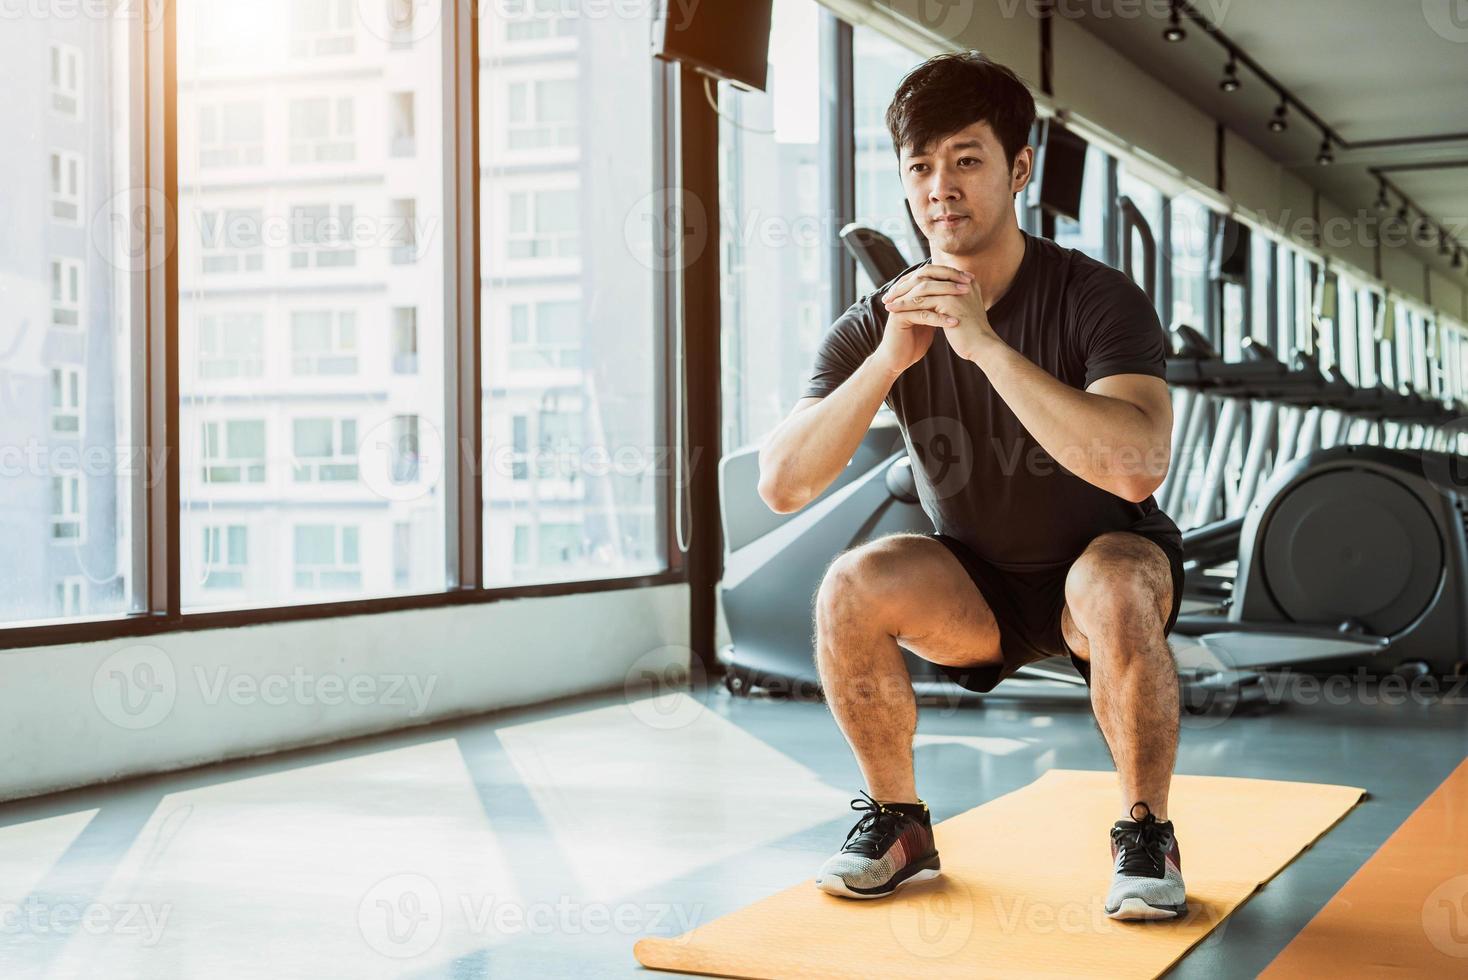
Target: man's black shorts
1027 605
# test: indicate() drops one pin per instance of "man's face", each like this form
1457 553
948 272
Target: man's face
966 177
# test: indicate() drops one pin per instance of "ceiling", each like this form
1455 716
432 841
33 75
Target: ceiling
1369 69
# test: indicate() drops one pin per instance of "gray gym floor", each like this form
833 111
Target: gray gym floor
600 819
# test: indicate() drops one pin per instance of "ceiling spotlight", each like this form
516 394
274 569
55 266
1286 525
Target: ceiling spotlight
1324 157
1402 214
1443 248
1457 260
1381 202
1174 31
1230 81
1278 124
1422 231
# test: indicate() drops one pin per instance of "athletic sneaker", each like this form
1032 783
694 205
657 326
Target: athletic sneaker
1147 881
890 846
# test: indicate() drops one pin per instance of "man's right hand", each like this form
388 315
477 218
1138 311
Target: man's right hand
909 333
907 337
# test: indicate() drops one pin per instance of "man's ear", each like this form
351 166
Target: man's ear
1024 169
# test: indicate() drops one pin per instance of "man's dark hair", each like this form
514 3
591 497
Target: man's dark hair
951 91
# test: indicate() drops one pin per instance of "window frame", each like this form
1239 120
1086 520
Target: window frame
152 321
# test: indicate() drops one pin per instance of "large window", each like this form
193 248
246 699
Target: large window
570 266
1188 260
1148 200
66 347
877 66
1089 233
775 235
290 292
1348 314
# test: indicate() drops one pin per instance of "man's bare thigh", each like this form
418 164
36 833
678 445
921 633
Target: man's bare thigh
923 596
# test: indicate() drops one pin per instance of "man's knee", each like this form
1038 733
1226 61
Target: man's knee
1120 584
865 579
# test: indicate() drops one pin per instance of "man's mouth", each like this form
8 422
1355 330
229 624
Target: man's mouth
949 220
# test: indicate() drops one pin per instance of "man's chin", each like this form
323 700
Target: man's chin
963 240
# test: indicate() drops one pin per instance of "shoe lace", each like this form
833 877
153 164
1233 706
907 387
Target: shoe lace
877 828
1142 847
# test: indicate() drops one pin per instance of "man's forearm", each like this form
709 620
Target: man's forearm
1104 441
807 451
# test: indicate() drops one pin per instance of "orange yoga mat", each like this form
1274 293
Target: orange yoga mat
1022 891
1405 911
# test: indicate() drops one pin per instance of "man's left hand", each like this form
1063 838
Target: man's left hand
917 292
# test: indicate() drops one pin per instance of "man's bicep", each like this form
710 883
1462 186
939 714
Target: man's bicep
803 404
1148 393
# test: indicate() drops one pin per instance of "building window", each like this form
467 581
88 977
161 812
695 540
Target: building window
402 554
71 595
536 20
560 544
540 114
66 401
405 340
66 186
327 557
231 345
232 134
400 22
878 64
66 293
323 342
66 80
231 240
405 449
225 556
545 335
325 361
404 238
322 236
66 507
322 28
323 130
542 224
402 141
234 451
325 450
520 448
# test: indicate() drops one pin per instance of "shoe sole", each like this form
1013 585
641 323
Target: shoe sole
924 870
1134 909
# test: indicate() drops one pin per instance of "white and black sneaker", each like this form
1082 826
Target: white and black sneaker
890 846
1147 881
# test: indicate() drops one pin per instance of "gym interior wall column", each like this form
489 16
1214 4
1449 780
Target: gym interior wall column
698 222
838 131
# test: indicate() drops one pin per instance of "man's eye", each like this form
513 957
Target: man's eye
915 166
968 160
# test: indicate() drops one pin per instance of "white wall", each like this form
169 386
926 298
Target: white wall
90 712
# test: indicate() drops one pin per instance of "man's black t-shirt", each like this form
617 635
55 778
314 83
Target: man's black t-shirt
981 478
